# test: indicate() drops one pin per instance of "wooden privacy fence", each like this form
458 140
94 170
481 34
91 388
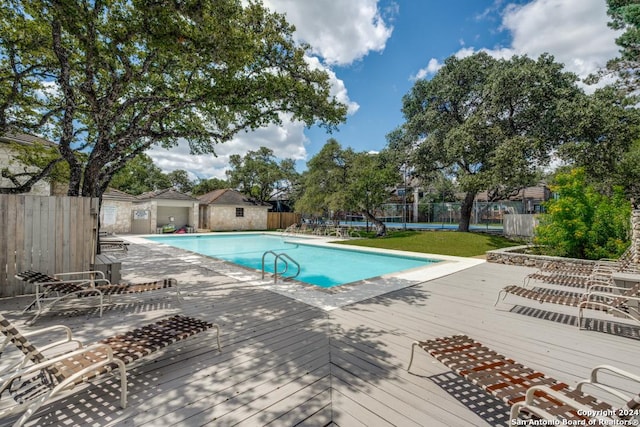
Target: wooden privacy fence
282 220
46 234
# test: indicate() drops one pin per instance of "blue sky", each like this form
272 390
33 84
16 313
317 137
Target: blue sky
375 49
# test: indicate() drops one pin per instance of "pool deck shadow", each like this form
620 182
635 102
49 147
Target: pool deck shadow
285 362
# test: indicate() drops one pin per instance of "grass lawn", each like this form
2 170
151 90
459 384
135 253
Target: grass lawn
437 242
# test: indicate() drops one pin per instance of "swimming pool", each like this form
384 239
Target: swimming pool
319 266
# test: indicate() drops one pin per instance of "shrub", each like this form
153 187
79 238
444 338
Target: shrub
582 223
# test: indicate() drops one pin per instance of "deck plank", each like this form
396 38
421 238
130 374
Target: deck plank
284 362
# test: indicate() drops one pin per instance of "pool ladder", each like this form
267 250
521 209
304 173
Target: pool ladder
286 259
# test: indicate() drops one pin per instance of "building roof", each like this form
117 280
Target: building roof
166 194
24 139
113 194
227 196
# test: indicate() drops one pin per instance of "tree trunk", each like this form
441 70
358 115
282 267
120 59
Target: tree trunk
465 211
381 228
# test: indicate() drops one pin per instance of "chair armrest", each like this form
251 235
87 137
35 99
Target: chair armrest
530 405
48 329
594 381
587 296
605 287
67 339
602 284
52 361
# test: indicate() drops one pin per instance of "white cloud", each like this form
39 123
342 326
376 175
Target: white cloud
338 89
286 141
340 32
432 67
575 32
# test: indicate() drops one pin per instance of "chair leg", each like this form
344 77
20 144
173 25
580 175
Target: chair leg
179 295
413 347
32 409
504 295
218 336
123 382
102 303
579 320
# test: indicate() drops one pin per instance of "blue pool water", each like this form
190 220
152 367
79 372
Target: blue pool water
320 266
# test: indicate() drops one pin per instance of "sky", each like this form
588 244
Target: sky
375 50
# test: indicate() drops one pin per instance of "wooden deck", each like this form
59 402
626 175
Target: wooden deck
285 363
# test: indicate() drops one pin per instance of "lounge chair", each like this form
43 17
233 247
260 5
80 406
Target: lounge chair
113 245
601 297
50 290
617 301
33 385
526 390
579 275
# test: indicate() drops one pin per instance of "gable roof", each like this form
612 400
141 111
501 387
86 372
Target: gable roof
166 194
24 139
113 194
227 196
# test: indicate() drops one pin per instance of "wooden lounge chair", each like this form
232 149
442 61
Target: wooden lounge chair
526 390
51 290
33 385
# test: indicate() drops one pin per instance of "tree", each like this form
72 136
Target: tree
107 79
627 174
583 223
323 181
625 15
179 179
339 179
140 175
204 186
489 123
369 179
259 174
605 124
32 163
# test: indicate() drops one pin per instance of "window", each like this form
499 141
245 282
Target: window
239 212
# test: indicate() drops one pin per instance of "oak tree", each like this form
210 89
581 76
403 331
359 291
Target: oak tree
106 79
490 124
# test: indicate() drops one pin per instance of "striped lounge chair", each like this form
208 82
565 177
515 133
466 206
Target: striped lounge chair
39 378
606 298
530 392
50 290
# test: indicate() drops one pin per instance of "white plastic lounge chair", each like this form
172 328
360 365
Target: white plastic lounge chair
37 378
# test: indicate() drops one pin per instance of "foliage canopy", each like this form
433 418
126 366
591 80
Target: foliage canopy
625 16
340 179
105 80
489 123
258 174
583 223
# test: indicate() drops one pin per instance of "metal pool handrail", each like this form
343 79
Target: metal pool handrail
282 256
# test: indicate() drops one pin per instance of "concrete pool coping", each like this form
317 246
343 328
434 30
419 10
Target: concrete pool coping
330 298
